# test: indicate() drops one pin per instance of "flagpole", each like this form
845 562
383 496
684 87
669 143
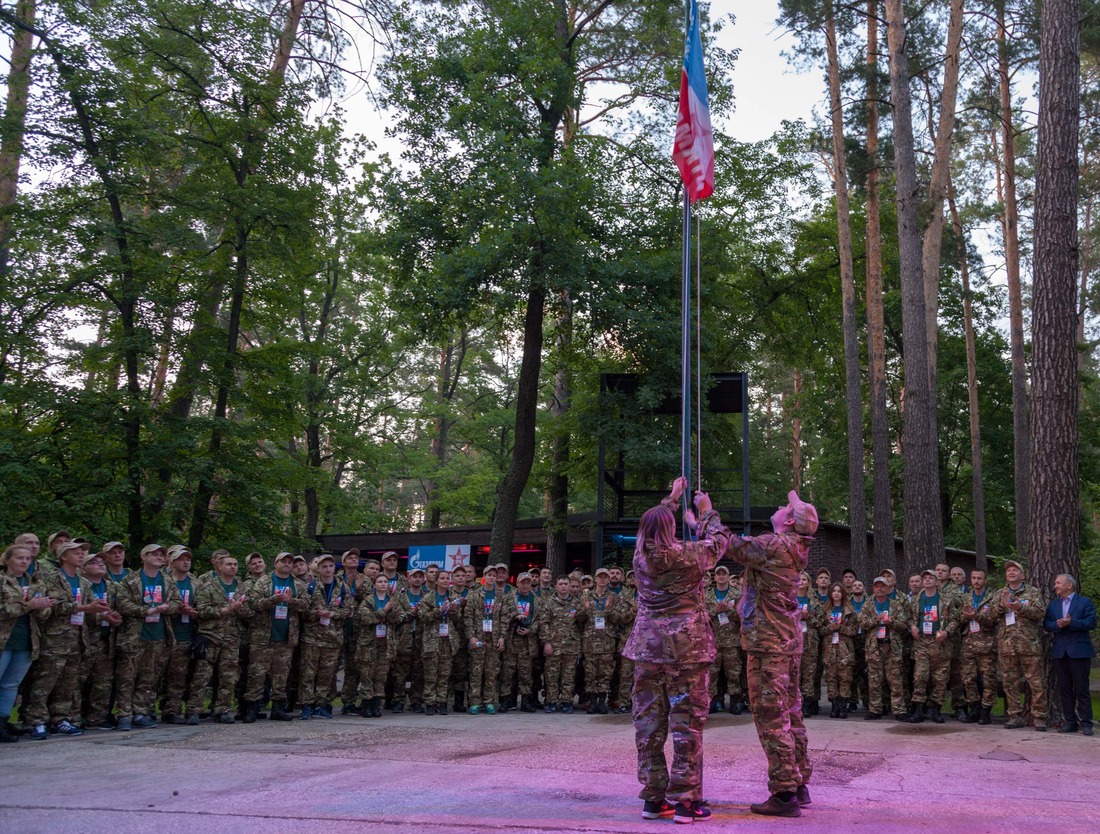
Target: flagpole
685 355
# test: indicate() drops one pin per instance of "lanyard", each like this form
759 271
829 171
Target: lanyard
328 589
379 604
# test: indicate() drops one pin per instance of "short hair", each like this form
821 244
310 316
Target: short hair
1069 578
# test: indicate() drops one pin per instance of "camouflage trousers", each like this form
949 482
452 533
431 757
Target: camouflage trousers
1017 669
775 699
437 673
460 664
811 652
672 697
727 659
408 668
560 678
626 679
97 683
955 682
839 663
885 667
976 664
484 668
350 688
180 672
373 657
317 674
268 659
518 662
224 661
931 669
138 671
54 683
859 670
597 673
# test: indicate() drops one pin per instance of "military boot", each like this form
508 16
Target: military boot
972 714
601 705
984 716
918 714
936 717
835 711
279 712
251 711
843 708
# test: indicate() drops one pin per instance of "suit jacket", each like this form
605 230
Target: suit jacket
1074 639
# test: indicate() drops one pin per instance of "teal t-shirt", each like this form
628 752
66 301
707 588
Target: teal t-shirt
153 594
184 632
20 638
929 613
280 614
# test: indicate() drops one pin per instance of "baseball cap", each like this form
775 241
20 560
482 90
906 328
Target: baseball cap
416 570
153 548
177 551
722 569
1013 563
284 555
389 554
928 572
112 546
805 516
53 536
881 580
325 557
603 571
89 556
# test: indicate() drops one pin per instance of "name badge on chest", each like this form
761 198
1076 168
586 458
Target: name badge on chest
282 612
974 627
444 630
1010 618
723 619
926 627
326 620
487 625
599 623
380 630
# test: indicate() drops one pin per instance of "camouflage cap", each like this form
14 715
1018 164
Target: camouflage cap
112 545
325 557
298 557
721 569
89 556
390 554
604 571
928 572
881 580
65 547
53 536
255 554
353 551
524 577
153 548
176 551
283 555
1009 563
805 516
415 570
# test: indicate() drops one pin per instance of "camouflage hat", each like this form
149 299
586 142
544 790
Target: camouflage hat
354 551
389 554
112 545
587 576
881 580
255 554
325 557
284 555
65 547
89 556
928 572
823 571
53 536
604 571
176 551
488 568
415 570
500 565
889 572
721 569
153 548
525 576
1010 563
298 557
805 516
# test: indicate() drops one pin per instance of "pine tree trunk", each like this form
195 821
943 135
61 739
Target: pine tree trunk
1021 457
557 521
882 513
13 125
857 500
977 489
923 525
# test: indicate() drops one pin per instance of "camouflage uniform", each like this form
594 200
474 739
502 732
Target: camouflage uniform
141 656
224 629
322 640
558 626
375 651
485 659
672 647
627 612
1019 650
437 645
97 665
598 642
727 643
811 647
838 653
884 651
349 689
181 664
13 607
932 658
772 637
268 655
520 650
408 663
460 650
979 652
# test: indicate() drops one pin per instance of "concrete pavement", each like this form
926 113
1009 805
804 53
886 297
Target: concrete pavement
533 773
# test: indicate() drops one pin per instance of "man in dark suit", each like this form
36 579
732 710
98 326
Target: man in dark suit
1069 618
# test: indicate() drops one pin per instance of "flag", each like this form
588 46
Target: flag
693 147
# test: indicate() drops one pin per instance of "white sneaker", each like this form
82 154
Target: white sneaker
64 728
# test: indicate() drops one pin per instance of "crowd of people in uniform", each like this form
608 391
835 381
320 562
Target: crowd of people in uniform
91 644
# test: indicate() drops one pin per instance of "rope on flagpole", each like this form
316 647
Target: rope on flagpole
699 352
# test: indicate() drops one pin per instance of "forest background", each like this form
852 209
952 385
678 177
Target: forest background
226 320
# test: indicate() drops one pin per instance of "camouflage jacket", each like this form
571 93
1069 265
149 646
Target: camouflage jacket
130 603
672 625
626 613
432 616
811 626
896 628
1024 636
409 631
368 617
596 640
398 583
475 613
221 626
100 635
340 606
948 613
13 605
726 634
768 608
558 624
984 619
259 610
849 625
527 615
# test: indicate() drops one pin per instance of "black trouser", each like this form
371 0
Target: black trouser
1073 688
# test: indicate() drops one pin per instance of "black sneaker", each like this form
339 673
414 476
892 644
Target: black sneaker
687 812
803 796
777 806
657 810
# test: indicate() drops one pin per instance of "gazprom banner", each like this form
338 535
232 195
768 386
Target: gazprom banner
443 556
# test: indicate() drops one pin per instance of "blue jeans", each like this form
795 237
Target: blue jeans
13 668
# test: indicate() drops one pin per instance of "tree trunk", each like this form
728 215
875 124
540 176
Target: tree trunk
972 387
882 513
857 508
796 433
523 449
937 188
557 521
923 525
14 124
1053 542
1021 457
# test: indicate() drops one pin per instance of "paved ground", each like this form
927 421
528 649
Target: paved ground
541 773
